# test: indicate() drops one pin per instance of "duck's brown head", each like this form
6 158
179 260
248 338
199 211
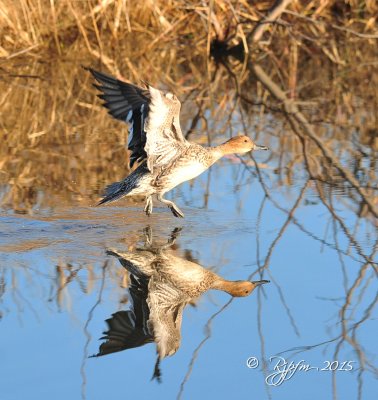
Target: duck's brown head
241 144
243 288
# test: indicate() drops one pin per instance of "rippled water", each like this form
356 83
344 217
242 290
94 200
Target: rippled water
58 287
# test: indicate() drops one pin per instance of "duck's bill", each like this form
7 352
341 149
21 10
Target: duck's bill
260 282
258 147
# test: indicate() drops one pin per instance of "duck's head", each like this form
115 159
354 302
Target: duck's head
242 144
244 288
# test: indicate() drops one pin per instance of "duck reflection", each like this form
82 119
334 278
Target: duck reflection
161 285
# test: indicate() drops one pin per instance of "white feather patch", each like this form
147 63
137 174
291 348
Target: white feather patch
158 110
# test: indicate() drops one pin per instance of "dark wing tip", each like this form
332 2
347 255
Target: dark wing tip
128 103
95 73
85 67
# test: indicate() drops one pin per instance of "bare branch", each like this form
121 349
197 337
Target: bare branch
274 13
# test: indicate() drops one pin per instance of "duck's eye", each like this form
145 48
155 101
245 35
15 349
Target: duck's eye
245 141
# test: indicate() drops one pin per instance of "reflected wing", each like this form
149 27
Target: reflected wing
166 304
159 140
128 329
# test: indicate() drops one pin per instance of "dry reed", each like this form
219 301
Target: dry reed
56 139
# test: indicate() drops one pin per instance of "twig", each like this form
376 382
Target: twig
340 28
261 27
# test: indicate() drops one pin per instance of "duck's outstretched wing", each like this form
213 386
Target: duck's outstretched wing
164 138
128 329
153 116
128 103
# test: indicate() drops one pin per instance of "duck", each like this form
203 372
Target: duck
162 285
157 144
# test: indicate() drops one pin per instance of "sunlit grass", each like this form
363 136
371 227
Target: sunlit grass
56 138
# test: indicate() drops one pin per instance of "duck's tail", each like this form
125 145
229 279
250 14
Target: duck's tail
116 190
157 372
119 189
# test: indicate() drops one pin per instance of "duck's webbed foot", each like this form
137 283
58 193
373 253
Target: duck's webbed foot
148 206
172 239
174 235
175 210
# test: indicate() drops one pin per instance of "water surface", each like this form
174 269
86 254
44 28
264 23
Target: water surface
59 286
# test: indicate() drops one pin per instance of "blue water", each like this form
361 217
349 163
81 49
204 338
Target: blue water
52 322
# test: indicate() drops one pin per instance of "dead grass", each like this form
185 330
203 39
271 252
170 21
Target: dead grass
56 138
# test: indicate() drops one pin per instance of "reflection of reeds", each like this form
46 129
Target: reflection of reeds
57 140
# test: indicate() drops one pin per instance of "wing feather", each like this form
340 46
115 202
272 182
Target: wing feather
128 103
166 303
153 117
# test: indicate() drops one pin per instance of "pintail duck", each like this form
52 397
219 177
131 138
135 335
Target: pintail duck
166 158
161 285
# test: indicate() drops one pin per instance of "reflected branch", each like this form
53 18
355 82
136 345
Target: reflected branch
87 333
302 127
200 345
351 238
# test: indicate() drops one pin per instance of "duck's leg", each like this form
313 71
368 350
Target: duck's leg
148 235
148 206
175 210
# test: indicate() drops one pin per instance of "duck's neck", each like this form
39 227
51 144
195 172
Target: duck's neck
224 285
220 151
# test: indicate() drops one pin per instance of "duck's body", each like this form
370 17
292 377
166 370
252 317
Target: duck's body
167 158
189 279
193 160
